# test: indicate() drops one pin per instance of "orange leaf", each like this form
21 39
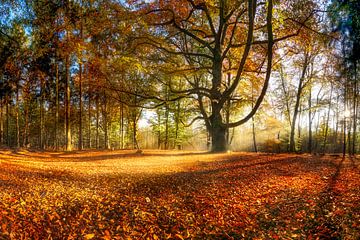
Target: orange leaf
89 236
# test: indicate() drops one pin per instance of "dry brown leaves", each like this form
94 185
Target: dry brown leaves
177 195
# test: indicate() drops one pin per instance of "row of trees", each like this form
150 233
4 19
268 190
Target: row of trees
82 74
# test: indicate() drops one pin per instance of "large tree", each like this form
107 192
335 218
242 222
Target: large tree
215 39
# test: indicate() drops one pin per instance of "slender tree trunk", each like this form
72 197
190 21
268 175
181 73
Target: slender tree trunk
121 133
335 143
89 106
97 122
227 110
349 137
310 122
159 129
254 134
317 125
105 119
355 104
299 141
80 146
26 126
1 123
57 107
344 138
80 143
17 118
177 122
67 105
327 121
135 144
344 124
166 142
286 95
297 104
41 114
7 123
253 120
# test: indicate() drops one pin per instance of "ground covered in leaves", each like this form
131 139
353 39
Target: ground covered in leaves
177 195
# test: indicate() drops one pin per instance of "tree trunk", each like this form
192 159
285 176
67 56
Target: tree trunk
121 145
1 123
89 106
57 108
336 146
67 105
299 141
177 122
253 120
80 144
254 134
227 109
166 141
159 129
355 104
135 144
217 129
7 123
327 121
26 127
105 123
310 123
297 104
344 123
286 95
41 114
97 122
217 133
17 117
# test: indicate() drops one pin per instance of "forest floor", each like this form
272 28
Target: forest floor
177 195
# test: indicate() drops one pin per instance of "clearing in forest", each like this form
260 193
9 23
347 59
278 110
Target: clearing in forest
177 195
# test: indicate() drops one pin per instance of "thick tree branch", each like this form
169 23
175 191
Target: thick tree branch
268 71
251 13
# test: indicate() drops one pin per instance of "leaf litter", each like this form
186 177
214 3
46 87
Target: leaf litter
177 195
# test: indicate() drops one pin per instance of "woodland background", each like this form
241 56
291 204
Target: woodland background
180 74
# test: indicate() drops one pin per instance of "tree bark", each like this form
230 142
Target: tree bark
97 121
17 117
80 143
217 133
177 122
166 141
297 104
159 129
26 126
7 123
41 103
67 105
57 107
121 126
355 104
89 106
105 123
327 121
310 122
1 123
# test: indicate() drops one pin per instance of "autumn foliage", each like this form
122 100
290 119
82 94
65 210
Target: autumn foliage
177 195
